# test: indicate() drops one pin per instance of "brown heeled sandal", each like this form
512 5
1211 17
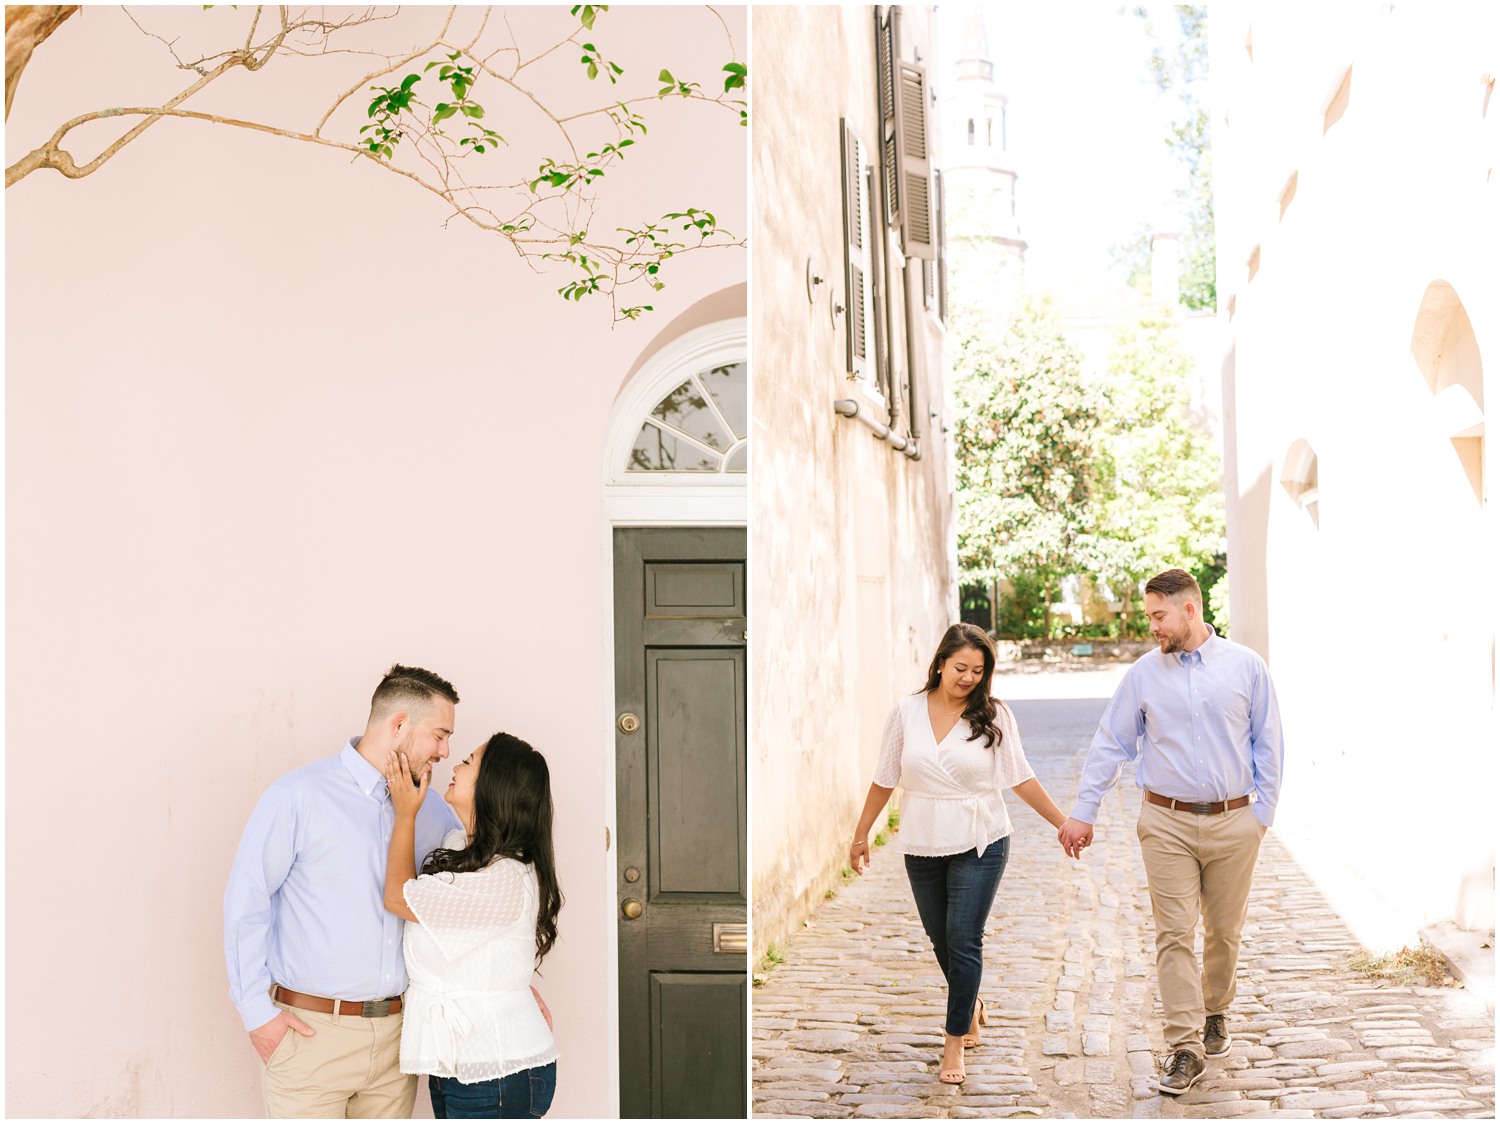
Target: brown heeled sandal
954 1075
981 1019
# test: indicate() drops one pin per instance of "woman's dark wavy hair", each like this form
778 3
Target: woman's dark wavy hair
512 819
980 708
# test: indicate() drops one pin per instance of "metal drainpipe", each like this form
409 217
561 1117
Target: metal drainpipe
864 413
916 369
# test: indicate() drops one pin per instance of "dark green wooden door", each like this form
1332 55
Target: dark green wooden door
680 820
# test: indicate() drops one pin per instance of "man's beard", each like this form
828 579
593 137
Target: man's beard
417 768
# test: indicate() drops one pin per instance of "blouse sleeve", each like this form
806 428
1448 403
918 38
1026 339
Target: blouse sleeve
461 911
1011 766
892 741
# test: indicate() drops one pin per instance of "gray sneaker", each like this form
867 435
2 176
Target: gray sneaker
1183 1071
1216 1040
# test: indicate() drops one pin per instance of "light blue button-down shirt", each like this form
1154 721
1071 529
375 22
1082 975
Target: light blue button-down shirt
1204 725
305 904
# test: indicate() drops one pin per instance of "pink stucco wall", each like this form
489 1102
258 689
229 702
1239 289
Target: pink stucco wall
269 428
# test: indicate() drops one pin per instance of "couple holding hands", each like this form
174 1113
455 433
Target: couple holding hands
1199 717
353 972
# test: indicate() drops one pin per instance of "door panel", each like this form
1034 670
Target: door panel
680 820
692 591
698 1046
697 770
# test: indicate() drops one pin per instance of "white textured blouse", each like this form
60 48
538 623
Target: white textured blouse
469 1012
952 787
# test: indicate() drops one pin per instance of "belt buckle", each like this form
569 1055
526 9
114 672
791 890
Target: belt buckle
375 1008
1202 807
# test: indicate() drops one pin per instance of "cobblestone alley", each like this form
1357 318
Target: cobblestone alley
849 1025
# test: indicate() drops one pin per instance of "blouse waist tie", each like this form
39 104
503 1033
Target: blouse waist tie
982 818
448 1023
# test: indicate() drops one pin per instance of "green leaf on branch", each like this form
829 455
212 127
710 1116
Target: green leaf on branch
587 13
674 85
595 63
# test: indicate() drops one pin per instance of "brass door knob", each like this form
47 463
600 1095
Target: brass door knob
632 909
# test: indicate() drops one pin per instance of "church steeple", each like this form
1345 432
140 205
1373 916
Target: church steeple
987 252
974 56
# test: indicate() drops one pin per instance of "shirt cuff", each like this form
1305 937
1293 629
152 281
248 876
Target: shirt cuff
1086 812
256 1011
1264 812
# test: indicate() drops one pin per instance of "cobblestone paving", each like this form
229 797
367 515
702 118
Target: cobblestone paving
850 1025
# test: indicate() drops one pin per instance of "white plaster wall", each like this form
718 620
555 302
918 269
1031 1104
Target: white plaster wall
852 572
1379 623
260 444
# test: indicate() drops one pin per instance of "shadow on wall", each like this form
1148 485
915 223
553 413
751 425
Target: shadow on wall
1474 906
726 304
1249 512
1250 612
1446 352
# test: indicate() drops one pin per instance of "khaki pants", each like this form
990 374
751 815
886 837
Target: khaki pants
349 1068
1197 865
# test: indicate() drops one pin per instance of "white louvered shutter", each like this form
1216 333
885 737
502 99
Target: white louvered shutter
885 65
856 256
914 163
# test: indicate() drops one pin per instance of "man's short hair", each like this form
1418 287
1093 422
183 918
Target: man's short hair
407 687
1172 583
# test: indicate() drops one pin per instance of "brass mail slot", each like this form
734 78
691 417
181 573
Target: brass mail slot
729 938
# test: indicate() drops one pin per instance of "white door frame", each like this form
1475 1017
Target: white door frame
654 500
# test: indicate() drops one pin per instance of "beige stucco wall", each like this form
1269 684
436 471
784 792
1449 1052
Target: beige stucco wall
1379 622
852 572
260 444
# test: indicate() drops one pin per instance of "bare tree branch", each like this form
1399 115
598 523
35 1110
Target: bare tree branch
27 27
555 209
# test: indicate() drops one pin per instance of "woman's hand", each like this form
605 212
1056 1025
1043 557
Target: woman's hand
405 796
859 853
542 1007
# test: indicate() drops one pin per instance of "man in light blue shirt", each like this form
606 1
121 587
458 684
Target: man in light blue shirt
1199 715
315 960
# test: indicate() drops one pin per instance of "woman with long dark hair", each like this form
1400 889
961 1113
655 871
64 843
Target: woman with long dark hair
481 917
952 747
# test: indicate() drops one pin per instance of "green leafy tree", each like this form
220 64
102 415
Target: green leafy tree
417 114
1025 446
1161 501
1181 68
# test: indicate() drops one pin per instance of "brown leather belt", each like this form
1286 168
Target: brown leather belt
1199 806
370 1009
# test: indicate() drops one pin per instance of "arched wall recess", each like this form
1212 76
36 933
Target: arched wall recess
1299 476
1447 354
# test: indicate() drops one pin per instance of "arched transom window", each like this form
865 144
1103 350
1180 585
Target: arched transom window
699 426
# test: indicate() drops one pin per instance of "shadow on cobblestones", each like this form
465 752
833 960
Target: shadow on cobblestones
850 1025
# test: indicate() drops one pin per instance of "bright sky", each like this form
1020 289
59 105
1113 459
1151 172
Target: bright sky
1085 128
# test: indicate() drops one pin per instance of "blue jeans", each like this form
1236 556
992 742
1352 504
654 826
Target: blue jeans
953 895
518 1095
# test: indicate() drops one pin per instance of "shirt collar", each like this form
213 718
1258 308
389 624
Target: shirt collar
1205 651
365 775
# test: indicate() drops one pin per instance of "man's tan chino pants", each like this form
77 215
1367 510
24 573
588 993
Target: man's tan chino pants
350 1068
1197 865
